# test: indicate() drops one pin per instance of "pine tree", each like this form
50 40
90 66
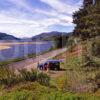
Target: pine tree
80 21
94 11
87 3
87 20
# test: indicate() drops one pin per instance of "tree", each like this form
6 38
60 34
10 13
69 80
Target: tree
87 20
60 41
79 20
86 3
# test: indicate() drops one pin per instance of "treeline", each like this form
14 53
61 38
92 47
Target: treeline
63 40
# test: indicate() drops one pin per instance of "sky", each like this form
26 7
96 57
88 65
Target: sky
26 18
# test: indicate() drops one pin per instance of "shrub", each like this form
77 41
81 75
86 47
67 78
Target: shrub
7 76
28 75
31 55
43 79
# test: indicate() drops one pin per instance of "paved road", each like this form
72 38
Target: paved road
32 62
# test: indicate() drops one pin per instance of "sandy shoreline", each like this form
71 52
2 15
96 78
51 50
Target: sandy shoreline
4 47
15 43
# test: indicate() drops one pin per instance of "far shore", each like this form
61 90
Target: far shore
7 45
4 47
14 43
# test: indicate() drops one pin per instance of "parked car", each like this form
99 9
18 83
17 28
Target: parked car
51 64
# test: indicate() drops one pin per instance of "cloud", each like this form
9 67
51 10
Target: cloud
22 4
20 27
27 27
61 6
21 22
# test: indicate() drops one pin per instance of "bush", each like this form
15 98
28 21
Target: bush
7 76
43 79
31 55
28 75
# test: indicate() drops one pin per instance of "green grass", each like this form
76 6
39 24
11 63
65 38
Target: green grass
77 75
45 95
67 96
18 95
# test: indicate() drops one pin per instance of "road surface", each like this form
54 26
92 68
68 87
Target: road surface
32 62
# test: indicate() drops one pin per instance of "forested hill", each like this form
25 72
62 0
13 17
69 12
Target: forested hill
4 36
50 35
46 36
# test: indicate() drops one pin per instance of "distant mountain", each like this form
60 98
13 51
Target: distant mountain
49 35
4 36
26 39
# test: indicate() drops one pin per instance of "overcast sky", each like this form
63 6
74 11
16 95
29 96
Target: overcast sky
26 18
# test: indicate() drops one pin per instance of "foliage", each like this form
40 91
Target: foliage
30 95
18 95
65 96
60 41
96 47
28 75
31 55
87 19
43 79
97 79
8 77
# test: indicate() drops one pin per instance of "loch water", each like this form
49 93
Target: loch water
22 50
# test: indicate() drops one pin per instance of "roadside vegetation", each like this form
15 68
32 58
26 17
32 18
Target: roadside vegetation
81 67
8 76
33 85
4 63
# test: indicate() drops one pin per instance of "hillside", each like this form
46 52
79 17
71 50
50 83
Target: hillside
50 35
4 36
